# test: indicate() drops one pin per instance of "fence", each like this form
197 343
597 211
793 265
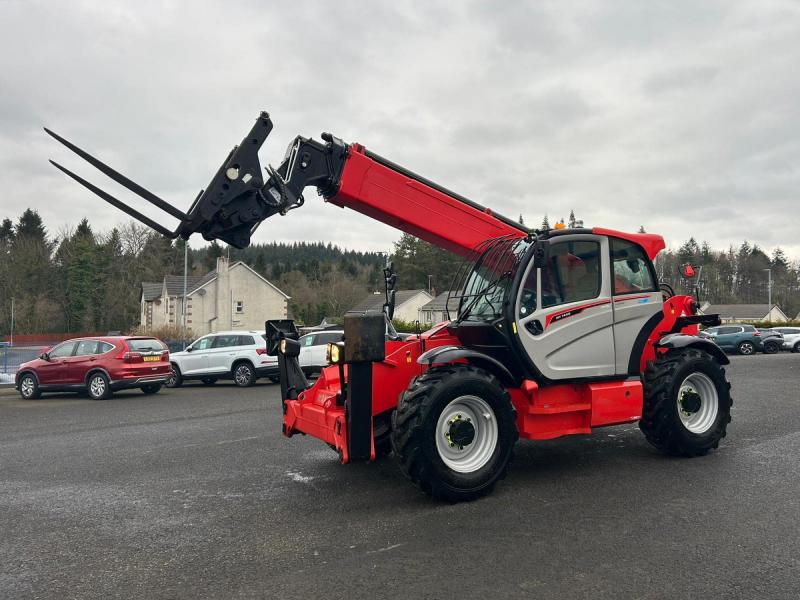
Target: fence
11 357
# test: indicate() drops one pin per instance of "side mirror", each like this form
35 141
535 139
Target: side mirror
541 252
633 265
688 271
188 348
45 356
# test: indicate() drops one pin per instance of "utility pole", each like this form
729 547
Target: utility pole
11 337
429 283
769 287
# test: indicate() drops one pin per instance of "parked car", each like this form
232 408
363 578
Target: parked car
744 339
238 355
771 340
313 347
791 338
98 366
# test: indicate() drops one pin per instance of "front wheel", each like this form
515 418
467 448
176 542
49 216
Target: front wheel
747 348
29 387
687 403
453 432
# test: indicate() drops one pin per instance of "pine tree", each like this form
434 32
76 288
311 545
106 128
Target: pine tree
213 253
545 224
641 229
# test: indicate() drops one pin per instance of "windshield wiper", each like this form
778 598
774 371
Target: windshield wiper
489 286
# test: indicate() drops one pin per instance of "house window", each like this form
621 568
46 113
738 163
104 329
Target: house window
239 307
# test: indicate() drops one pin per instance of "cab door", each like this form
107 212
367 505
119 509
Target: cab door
54 370
564 314
637 302
196 360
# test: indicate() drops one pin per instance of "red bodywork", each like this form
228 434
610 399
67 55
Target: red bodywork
543 412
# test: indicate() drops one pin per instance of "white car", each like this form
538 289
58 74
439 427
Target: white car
791 337
313 347
238 355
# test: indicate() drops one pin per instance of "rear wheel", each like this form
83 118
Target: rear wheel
453 432
796 347
98 386
29 387
152 388
243 374
771 347
746 348
175 379
687 403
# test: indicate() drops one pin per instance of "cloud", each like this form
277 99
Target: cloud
679 116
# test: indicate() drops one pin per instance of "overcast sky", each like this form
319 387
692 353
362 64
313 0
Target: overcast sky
683 117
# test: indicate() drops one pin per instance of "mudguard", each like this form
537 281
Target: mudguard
681 340
448 354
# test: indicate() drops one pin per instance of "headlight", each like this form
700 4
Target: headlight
333 354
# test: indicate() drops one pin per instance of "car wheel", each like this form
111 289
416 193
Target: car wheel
152 388
209 380
243 374
746 348
796 347
98 386
770 348
29 387
174 380
275 379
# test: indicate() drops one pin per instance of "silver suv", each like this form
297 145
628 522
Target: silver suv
238 355
791 337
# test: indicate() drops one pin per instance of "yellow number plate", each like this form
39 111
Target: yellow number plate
152 358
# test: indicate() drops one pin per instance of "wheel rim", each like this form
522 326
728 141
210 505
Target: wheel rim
242 374
26 387
172 378
698 403
466 418
97 387
746 348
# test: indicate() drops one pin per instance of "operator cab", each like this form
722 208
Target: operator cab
579 310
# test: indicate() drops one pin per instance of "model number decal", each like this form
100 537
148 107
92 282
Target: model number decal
570 312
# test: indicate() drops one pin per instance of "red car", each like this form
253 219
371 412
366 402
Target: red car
97 366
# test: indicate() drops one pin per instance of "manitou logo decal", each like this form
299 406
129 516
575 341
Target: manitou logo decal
571 312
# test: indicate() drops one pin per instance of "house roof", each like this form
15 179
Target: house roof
151 290
440 303
738 311
376 301
174 284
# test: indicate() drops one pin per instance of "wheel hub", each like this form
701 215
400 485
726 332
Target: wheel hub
690 401
461 432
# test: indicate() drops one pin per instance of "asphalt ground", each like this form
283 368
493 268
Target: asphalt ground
193 493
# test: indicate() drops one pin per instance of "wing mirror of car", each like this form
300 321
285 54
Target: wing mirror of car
688 271
541 252
44 356
188 348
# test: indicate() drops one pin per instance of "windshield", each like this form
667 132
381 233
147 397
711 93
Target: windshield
488 283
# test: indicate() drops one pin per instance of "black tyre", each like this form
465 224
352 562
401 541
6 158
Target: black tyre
152 388
453 432
746 348
29 387
687 403
97 386
796 347
209 380
771 347
243 374
175 379
275 379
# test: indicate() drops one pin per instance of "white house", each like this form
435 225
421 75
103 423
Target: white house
741 313
406 303
434 311
233 296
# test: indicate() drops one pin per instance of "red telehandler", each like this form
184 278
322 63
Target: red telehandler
557 332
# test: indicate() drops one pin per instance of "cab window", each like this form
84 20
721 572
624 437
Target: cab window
632 271
226 341
572 273
307 340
